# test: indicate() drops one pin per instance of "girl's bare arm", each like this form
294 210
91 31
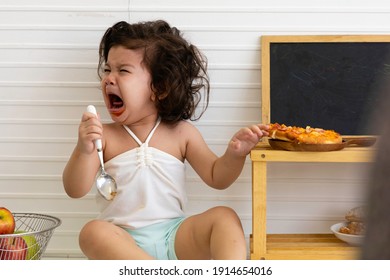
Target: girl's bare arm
221 172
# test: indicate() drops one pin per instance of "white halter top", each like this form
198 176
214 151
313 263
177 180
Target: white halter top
150 186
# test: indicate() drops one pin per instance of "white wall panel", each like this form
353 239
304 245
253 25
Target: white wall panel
48 59
44 54
60 92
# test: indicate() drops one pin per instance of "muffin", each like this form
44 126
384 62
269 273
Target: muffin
354 221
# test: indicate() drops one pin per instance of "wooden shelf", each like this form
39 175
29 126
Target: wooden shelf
306 247
295 246
264 153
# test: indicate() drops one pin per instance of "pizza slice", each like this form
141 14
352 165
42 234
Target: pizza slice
307 135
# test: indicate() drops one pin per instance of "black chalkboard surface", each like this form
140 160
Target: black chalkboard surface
333 82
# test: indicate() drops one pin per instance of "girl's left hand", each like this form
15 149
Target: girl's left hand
246 139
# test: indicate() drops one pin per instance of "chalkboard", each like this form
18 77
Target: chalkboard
333 82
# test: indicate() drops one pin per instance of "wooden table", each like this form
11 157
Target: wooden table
295 246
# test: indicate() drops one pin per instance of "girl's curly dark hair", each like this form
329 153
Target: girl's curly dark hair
178 69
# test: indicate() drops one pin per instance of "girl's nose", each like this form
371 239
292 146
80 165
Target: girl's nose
109 79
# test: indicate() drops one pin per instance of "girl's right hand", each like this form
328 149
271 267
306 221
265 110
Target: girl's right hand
90 129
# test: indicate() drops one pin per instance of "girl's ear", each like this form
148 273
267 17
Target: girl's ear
154 94
163 96
160 97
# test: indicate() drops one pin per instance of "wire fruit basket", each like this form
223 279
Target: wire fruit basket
30 238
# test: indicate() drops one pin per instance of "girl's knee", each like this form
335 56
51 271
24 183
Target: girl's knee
90 228
225 213
225 216
92 232
87 230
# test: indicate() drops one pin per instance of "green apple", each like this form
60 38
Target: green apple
32 245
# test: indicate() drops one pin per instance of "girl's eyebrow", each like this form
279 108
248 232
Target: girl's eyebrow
120 65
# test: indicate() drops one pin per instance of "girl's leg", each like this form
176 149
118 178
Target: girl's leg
102 240
214 234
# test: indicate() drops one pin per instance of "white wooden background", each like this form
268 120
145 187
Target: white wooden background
48 58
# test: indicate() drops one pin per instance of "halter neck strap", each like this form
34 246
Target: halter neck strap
149 136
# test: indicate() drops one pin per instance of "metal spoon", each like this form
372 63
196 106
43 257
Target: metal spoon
105 184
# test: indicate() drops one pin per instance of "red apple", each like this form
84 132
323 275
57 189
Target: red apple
7 221
13 248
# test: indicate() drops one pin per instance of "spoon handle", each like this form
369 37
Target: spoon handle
98 142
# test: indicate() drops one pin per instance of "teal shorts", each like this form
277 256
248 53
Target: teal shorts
158 240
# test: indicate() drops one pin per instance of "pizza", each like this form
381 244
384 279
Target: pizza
307 135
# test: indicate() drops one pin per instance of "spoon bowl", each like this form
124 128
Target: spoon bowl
105 184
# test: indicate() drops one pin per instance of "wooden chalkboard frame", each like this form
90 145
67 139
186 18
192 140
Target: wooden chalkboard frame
268 40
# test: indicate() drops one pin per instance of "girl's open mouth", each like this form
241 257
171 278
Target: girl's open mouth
115 101
116 104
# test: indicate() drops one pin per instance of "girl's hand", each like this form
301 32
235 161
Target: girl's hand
90 129
246 139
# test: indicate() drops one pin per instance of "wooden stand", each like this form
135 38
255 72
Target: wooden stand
294 246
